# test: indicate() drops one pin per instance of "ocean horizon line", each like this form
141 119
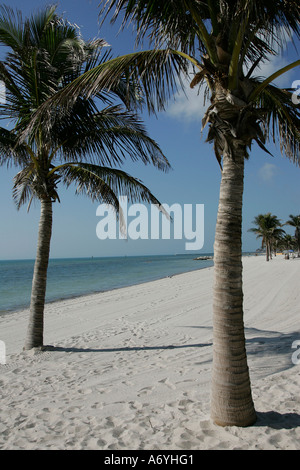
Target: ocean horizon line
111 256
209 253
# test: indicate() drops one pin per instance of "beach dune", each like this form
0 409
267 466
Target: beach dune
130 368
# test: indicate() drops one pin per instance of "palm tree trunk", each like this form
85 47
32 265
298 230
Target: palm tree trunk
35 332
231 399
267 251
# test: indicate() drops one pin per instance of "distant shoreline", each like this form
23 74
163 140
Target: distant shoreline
63 297
210 254
130 282
86 294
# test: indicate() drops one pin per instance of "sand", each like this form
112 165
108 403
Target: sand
130 368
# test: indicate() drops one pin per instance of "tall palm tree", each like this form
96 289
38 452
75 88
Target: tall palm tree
225 42
294 221
78 145
268 229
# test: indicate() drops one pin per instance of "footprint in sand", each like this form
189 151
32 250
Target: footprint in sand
167 382
145 391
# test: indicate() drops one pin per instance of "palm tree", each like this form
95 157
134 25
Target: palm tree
77 145
287 243
224 41
267 228
294 221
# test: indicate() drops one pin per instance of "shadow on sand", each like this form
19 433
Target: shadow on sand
275 420
124 349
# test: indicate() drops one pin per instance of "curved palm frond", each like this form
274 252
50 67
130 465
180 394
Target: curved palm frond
187 24
105 184
42 50
12 152
294 221
32 182
281 120
12 32
23 186
111 135
99 183
110 77
162 20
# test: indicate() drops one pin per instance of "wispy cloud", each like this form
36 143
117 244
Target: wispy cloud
189 105
267 172
276 63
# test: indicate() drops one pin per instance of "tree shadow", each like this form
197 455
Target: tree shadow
275 420
124 349
270 343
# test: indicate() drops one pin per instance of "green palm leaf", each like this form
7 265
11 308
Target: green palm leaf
281 120
108 136
108 77
105 184
11 151
23 189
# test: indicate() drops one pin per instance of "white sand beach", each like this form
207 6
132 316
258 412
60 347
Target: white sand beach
130 368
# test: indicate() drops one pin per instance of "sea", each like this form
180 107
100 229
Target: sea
74 277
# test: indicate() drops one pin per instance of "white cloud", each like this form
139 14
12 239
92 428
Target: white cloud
268 68
188 106
267 172
277 62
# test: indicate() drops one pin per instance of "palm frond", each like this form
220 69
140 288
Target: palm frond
106 185
23 186
178 23
281 120
108 137
161 21
11 28
294 221
11 151
155 72
98 182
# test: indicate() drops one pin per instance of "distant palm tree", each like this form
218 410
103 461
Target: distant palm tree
288 243
268 229
75 145
294 221
223 43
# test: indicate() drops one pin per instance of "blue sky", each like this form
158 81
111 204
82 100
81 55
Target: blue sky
271 183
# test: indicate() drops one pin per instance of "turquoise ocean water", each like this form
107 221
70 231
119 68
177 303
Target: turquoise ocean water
74 277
